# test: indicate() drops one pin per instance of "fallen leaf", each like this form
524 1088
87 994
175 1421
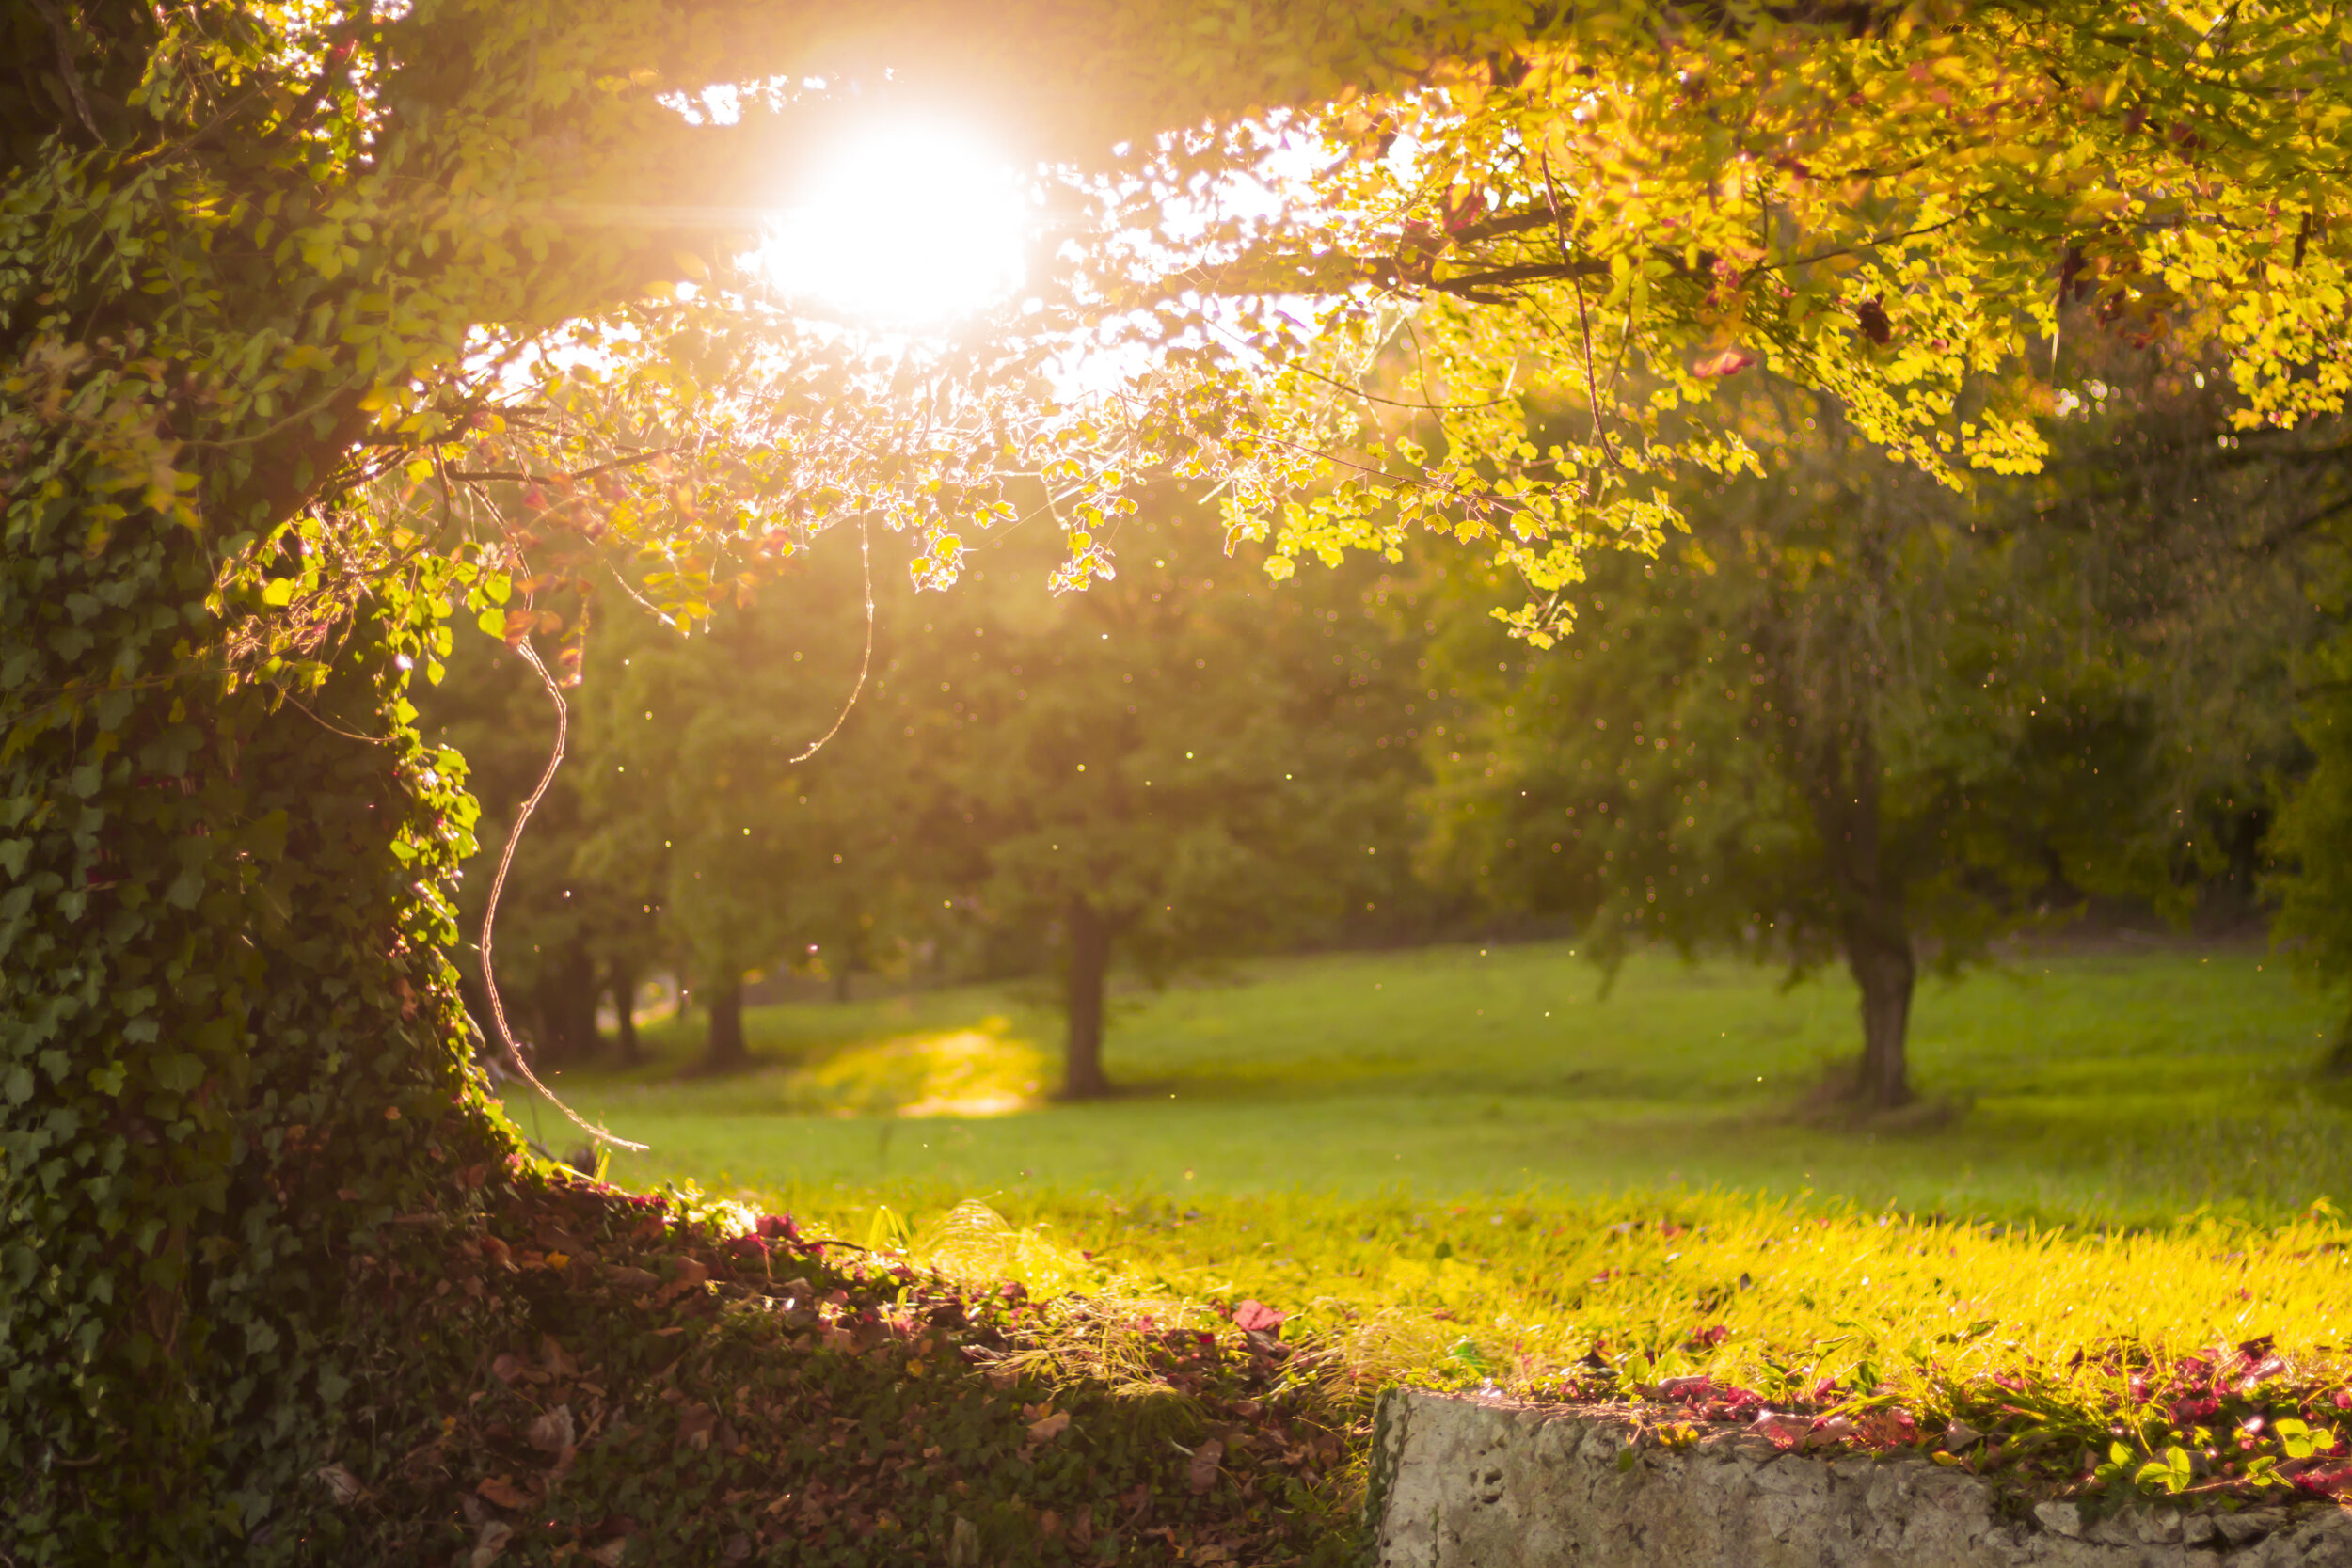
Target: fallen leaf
341 1484
504 1492
506 1368
610 1554
1046 1429
632 1279
1205 1459
738 1549
554 1431
1828 1429
1257 1315
491 1542
694 1427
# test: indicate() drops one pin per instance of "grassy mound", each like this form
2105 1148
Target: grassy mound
650 1385
2078 1334
633 1379
2204 1360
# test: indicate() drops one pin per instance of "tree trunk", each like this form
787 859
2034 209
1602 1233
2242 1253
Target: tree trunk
230 1040
623 985
841 982
1842 779
1089 966
563 1008
1879 956
725 1050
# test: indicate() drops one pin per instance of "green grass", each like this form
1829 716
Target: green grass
1462 1164
2121 1088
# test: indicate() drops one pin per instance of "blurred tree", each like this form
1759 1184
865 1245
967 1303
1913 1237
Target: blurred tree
699 767
1855 715
2313 835
1182 762
569 935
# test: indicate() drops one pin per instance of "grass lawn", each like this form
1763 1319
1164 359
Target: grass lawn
2127 1087
1464 1164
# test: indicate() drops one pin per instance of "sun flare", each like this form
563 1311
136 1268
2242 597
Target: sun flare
908 224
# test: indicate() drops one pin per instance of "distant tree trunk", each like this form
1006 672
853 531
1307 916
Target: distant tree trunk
623 985
1874 926
2338 1062
725 1048
841 981
1089 962
563 1008
1884 971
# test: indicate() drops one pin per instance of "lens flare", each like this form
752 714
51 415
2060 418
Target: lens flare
909 224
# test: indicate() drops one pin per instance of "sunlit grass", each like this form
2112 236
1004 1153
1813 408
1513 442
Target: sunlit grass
1465 1166
1518 1289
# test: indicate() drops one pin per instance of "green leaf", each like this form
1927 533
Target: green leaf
179 1071
278 592
492 621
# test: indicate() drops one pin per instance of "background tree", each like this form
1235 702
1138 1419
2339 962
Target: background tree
1857 716
700 763
2312 835
1180 762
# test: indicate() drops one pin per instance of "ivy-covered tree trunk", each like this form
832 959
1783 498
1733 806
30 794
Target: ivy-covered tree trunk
228 1033
724 1049
1085 977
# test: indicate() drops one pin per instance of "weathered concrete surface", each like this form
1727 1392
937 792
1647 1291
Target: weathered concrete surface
1489 1483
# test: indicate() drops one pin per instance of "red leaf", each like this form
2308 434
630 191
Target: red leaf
1730 362
1257 1315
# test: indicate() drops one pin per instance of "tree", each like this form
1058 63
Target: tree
1859 717
757 769
1174 765
320 325
2313 835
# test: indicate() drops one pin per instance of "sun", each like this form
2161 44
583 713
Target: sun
906 224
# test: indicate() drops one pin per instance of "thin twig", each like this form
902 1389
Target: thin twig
865 555
1583 321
